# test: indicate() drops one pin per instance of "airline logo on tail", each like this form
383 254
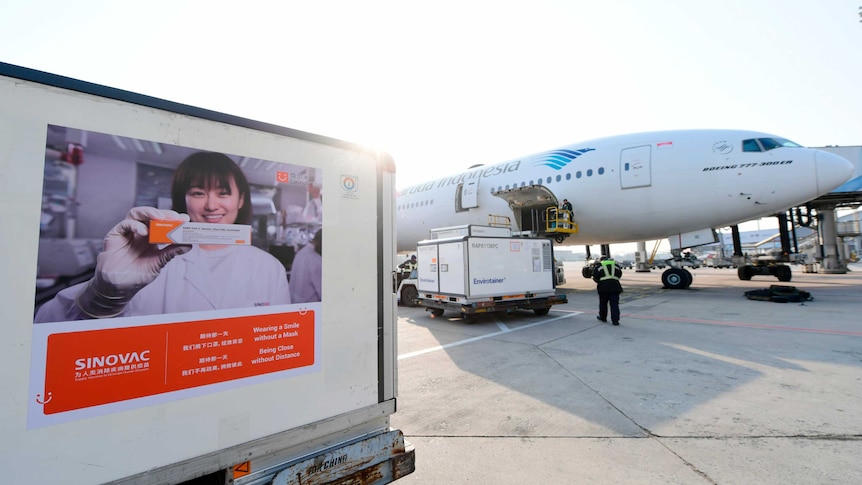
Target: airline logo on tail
558 159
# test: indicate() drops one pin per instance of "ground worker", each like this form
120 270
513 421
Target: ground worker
607 277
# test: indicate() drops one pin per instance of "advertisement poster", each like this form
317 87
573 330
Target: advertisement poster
166 272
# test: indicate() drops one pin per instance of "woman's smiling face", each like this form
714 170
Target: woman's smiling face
215 204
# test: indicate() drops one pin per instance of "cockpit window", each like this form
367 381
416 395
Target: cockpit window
750 145
766 144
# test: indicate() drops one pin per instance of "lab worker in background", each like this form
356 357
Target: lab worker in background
134 277
306 272
313 210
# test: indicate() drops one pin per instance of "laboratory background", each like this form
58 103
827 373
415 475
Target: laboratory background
92 180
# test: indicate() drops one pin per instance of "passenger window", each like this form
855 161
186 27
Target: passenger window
568 176
578 175
590 173
559 178
601 170
549 180
750 146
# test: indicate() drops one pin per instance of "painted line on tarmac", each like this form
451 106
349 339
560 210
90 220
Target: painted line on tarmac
504 330
747 325
762 326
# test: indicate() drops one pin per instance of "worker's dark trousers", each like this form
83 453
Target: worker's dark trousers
614 300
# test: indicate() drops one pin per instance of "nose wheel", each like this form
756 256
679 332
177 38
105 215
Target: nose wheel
676 279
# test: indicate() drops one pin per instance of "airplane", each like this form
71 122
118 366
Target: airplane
637 187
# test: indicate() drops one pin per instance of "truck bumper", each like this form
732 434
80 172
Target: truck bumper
376 460
491 306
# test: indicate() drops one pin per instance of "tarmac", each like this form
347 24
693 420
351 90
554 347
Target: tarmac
697 386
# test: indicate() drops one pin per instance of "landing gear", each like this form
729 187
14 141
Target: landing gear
676 279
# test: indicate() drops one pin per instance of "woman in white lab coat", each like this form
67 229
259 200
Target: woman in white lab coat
134 277
306 271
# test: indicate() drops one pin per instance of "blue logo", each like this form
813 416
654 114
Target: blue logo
558 159
348 183
349 186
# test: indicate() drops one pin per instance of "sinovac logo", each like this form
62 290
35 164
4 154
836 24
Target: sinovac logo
112 360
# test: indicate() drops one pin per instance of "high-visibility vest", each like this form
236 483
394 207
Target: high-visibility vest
609 271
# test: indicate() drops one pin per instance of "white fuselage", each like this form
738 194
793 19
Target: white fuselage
631 187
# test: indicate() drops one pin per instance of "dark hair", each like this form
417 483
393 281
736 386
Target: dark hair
207 170
317 240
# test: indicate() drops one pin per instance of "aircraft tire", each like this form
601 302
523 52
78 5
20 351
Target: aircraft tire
587 271
689 278
675 279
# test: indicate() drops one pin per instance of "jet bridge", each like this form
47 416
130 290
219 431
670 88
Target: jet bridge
536 212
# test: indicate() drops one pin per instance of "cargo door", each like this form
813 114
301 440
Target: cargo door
467 196
635 170
428 269
453 268
528 205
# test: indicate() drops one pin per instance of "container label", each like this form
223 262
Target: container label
96 367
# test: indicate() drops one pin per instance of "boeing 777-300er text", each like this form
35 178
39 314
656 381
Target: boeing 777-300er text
669 184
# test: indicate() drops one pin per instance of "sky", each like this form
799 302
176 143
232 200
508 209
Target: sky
447 84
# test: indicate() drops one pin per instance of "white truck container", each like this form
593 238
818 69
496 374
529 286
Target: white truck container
192 381
471 274
470 230
405 284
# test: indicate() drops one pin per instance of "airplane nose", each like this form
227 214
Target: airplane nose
832 171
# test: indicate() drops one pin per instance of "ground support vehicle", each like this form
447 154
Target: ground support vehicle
405 287
766 265
717 262
470 275
253 392
560 270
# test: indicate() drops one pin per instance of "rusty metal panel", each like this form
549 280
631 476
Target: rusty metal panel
376 460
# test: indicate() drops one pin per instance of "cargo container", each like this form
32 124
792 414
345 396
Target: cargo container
269 361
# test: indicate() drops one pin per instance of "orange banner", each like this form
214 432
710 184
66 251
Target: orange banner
95 367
